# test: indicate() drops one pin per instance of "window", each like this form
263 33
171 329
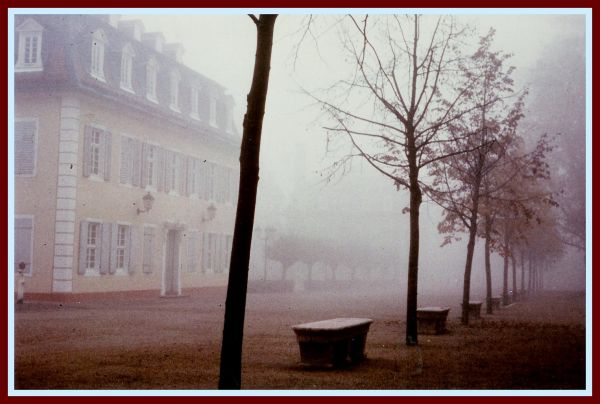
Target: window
151 76
97 150
193 250
29 47
195 95
94 237
209 251
24 243
212 111
191 176
131 154
98 44
121 249
92 246
149 166
147 260
127 68
25 146
122 242
175 79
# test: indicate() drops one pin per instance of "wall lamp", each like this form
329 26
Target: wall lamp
147 200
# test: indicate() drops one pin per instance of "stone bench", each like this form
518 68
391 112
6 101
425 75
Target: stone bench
432 320
474 309
332 342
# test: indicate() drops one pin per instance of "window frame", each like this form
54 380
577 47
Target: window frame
127 56
95 270
29 29
98 55
152 80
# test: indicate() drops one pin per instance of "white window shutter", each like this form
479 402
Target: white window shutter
182 172
132 249
87 146
83 232
191 167
205 252
144 176
106 152
160 168
136 162
103 250
148 248
113 248
25 145
125 172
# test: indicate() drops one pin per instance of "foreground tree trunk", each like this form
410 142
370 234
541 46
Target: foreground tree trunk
413 251
235 305
471 245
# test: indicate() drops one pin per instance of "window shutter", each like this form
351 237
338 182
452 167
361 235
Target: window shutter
191 167
201 179
103 251
136 163
107 140
87 145
160 169
83 231
205 252
148 248
23 242
125 172
132 250
25 139
113 248
182 172
144 177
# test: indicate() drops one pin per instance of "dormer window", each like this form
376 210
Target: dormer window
127 68
98 45
195 103
175 79
151 75
212 110
29 51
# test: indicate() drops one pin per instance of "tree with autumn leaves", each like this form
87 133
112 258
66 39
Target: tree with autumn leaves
490 182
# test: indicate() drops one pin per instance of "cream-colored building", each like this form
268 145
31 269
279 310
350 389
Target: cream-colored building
105 116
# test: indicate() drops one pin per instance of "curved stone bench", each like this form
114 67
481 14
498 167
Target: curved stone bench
332 342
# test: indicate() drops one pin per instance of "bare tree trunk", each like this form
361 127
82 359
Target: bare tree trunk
522 273
235 305
488 265
514 274
413 251
530 275
505 277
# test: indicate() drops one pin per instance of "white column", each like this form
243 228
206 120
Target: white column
66 197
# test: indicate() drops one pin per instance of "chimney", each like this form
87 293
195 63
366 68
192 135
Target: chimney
175 51
133 28
155 40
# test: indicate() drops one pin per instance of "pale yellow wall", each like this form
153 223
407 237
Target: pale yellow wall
115 202
37 195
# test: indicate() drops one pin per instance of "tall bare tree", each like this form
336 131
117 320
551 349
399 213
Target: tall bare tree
235 305
395 110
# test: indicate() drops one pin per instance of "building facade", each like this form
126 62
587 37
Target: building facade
125 161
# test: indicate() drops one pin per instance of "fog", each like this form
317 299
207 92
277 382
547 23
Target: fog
360 207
